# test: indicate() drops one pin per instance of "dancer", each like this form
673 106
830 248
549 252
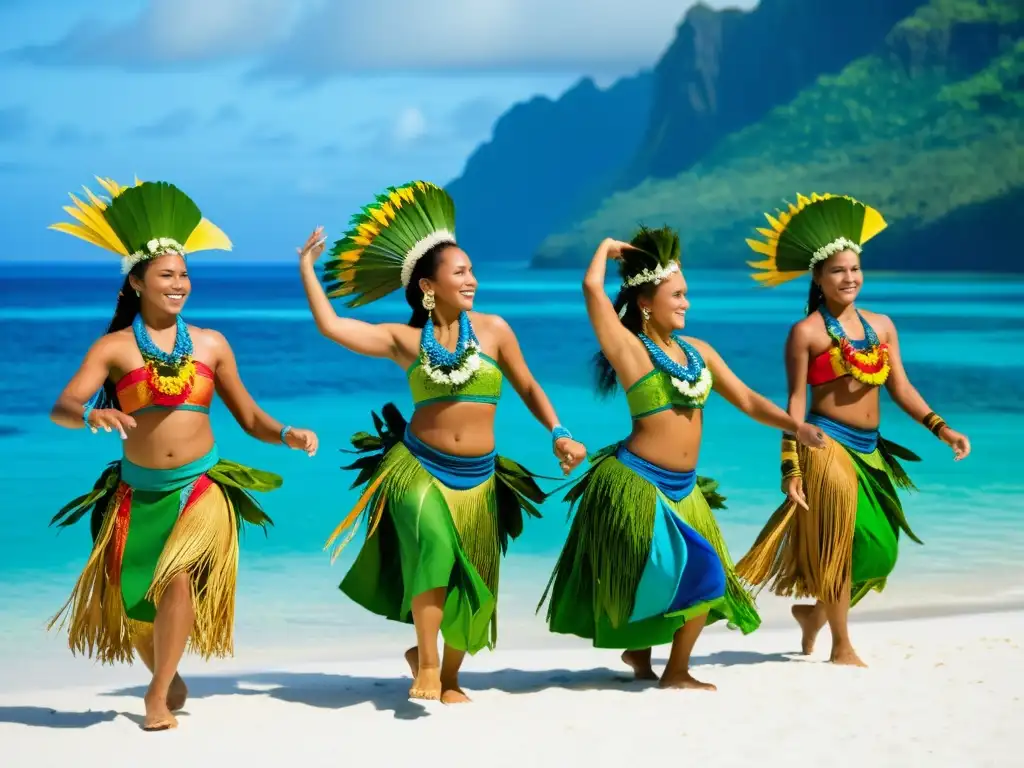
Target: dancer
645 563
440 505
166 517
844 540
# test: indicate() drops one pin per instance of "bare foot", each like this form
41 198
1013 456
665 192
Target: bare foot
177 694
412 658
640 663
158 716
684 680
809 619
846 656
426 684
451 693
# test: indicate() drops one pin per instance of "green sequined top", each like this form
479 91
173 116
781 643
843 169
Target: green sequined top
655 393
484 387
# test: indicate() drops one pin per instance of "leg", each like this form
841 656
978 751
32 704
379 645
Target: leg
640 662
171 629
842 648
811 619
178 692
451 693
427 611
677 671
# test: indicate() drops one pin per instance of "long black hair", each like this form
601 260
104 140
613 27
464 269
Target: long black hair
128 306
815 296
425 267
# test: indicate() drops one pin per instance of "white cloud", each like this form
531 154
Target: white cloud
317 38
410 126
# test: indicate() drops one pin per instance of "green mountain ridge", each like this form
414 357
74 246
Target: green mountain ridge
928 128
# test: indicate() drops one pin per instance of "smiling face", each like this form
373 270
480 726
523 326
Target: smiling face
165 284
840 277
668 304
454 284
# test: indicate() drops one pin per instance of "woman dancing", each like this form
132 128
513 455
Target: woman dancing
645 563
844 541
166 517
440 504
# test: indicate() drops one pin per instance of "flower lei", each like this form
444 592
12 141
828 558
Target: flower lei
170 376
450 368
693 380
866 360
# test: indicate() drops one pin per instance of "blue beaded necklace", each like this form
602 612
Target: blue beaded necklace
439 357
838 335
688 373
181 353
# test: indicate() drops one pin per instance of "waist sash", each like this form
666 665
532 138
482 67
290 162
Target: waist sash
148 479
675 485
457 472
854 438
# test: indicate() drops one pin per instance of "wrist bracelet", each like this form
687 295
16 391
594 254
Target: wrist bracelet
85 413
560 432
284 431
790 457
933 422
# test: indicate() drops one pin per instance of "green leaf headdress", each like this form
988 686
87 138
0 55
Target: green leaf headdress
142 222
810 232
653 257
386 239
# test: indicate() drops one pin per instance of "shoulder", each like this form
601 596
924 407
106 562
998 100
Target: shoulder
705 349
111 343
208 336
877 319
804 331
493 323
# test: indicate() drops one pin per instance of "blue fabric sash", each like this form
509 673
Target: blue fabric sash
859 440
675 485
459 473
148 479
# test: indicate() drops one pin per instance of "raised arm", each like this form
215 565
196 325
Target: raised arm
71 409
906 396
362 338
756 406
515 369
613 337
251 418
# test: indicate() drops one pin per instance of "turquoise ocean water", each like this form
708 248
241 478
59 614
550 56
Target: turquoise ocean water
962 342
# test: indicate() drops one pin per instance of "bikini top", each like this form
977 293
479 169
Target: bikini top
866 360
655 393
483 387
136 395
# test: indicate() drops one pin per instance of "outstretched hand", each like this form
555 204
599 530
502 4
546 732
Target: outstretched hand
314 246
302 440
959 443
569 453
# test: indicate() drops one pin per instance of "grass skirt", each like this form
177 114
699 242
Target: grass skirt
638 564
850 534
148 527
433 521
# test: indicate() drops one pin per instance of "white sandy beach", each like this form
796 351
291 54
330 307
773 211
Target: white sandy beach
939 692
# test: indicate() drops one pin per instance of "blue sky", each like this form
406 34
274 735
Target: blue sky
278 115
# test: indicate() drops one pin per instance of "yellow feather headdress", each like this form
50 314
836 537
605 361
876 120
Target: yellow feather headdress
809 232
141 222
385 240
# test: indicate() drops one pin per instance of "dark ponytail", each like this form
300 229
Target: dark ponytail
425 267
815 298
605 379
128 306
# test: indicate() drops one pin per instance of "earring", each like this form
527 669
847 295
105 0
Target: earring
138 294
428 301
647 316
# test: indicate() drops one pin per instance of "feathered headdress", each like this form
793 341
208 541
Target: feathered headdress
653 257
386 239
142 222
810 232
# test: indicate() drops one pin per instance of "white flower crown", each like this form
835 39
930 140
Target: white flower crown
655 275
419 250
158 246
831 249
